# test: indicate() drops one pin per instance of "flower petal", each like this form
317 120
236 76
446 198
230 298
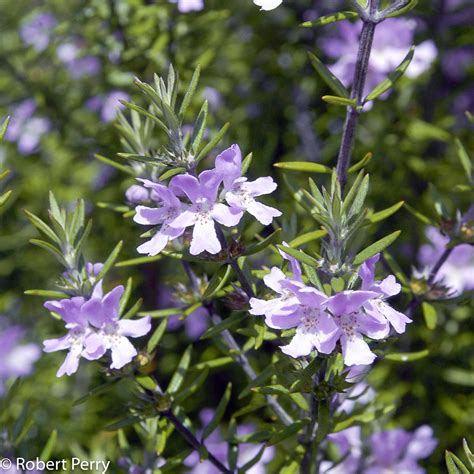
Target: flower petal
123 353
204 238
228 216
134 327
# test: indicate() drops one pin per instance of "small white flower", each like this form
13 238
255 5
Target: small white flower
268 5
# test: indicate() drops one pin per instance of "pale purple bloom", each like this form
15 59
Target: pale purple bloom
78 64
457 272
136 194
396 451
347 308
399 451
37 31
203 210
186 6
241 193
268 5
16 359
216 445
25 129
359 394
377 307
392 41
171 208
349 444
107 105
93 328
213 97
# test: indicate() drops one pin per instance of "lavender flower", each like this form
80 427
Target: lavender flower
392 40
25 129
16 359
218 447
36 32
377 307
107 105
136 194
399 451
186 6
170 209
93 328
203 210
268 5
241 193
77 64
390 451
457 272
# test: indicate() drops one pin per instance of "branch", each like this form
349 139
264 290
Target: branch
357 90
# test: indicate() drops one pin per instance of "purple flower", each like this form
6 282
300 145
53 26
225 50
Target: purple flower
136 194
399 451
37 31
186 6
77 64
202 211
347 309
170 209
457 272
25 129
107 105
241 193
16 359
392 41
377 307
349 445
219 448
93 328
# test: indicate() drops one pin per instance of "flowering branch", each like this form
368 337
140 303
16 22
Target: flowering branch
360 74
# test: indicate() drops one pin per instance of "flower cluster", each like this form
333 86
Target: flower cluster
321 321
94 327
16 359
394 450
198 202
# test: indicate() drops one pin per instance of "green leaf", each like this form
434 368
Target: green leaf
46 293
162 313
421 217
360 196
276 389
189 93
299 255
219 413
109 162
146 382
308 237
218 280
393 77
405 9
246 163
288 432
99 390
328 77
3 127
408 356
49 446
199 128
170 173
468 452
193 387
129 420
342 101
260 246
110 261
180 373
215 140
306 166
50 248
138 261
248 465
144 112
376 247
429 313
43 227
227 323
360 164
262 377
4 197
452 465
381 215
156 337
213 364
327 19
464 159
